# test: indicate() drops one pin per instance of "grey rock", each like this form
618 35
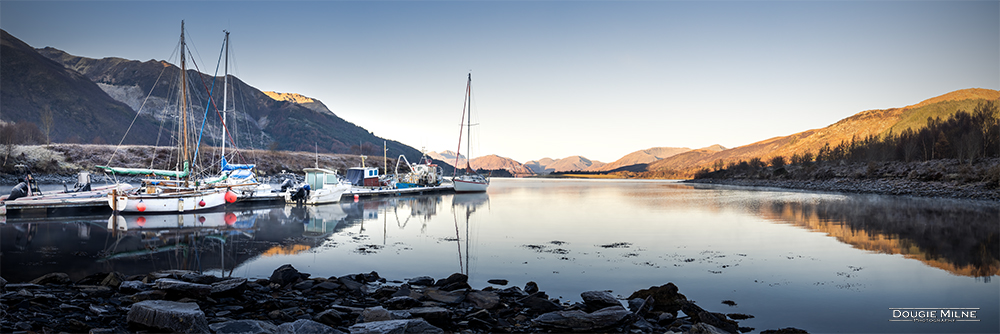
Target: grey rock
3 284
199 278
244 327
351 285
304 285
186 288
447 297
113 279
531 287
330 317
285 275
540 305
596 300
327 285
306 326
703 328
497 281
170 273
169 315
483 299
229 287
379 313
130 287
401 302
52 278
422 280
453 278
148 295
433 314
395 327
577 320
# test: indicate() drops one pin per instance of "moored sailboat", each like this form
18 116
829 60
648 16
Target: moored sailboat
179 194
470 181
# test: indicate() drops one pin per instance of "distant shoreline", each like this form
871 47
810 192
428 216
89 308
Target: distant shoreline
946 178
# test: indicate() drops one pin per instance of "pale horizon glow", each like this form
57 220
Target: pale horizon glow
557 79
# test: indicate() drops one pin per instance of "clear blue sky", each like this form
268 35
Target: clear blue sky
561 78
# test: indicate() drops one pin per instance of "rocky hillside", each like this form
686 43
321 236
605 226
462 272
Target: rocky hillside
61 102
870 122
302 100
82 100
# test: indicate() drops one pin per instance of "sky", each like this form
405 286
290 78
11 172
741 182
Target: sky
555 79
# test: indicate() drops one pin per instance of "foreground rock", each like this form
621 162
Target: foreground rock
294 302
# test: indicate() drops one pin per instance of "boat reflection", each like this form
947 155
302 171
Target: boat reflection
137 244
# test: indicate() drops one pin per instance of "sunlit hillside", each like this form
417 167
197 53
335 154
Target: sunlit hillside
870 122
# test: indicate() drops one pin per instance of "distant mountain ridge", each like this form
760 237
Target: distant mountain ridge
567 164
305 101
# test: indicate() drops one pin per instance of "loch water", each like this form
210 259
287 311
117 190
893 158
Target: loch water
823 262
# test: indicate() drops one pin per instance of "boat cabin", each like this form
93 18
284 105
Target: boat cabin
363 176
317 177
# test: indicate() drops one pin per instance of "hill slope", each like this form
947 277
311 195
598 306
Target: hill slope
60 101
859 126
646 156
494 161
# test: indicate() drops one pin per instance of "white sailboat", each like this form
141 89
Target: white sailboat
470 181
179 194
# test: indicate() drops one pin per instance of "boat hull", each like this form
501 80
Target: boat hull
199 200
470 186
329 194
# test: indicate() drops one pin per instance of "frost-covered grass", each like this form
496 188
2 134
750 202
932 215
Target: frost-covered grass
68 159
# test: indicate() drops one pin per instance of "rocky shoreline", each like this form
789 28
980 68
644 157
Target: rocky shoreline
946 178
293 302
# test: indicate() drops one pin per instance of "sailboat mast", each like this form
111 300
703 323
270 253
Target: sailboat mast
184 131
468 143
225 95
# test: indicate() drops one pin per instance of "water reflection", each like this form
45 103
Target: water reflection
958 236
963 240
138 244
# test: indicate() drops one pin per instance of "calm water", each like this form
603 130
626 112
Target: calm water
820 262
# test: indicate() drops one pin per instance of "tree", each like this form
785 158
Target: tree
778 161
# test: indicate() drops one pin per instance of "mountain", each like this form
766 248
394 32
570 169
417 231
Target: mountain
538 166
568 164
646 156
447 157
302 100
870 122
60 101
494 161
258 121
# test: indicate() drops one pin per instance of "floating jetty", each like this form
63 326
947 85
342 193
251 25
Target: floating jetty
389 191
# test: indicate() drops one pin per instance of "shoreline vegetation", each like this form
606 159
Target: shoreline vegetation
290 301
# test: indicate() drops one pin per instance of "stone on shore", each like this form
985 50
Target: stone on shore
596 300
169 315
483 299
285 275
421 280
665 298
395 327
186 288
306 326
243 327
577 320
52 278
229 287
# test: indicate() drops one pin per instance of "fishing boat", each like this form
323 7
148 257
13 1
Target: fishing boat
424 173
322 186
176 192
470 180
